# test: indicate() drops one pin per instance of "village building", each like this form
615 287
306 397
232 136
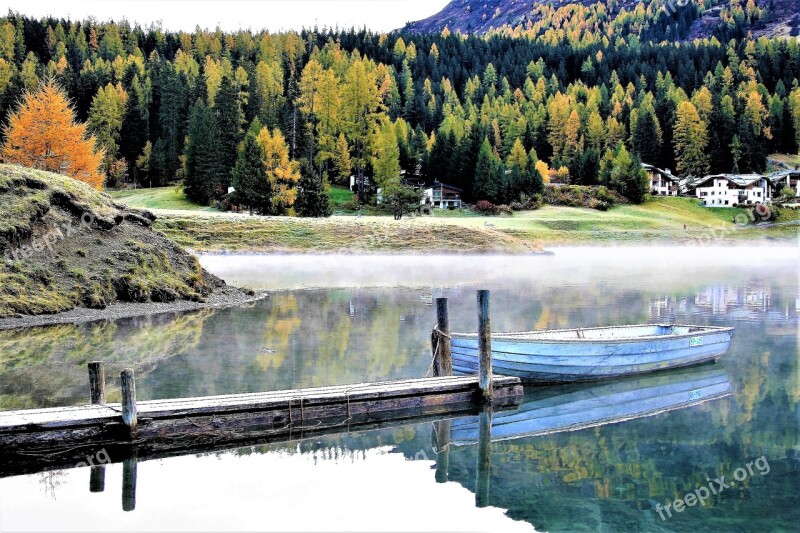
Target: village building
782 179
728 190
442 195
662 182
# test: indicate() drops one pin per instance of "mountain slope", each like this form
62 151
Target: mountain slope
476 16
771 18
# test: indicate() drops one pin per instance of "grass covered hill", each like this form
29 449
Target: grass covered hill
64 245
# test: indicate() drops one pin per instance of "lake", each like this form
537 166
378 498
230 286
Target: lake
345 319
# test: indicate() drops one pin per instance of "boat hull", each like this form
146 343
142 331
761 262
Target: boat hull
537 358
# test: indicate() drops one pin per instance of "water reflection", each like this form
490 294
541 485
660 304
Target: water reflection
552 409
323 337
608 477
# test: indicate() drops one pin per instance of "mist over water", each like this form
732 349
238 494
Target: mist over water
566 265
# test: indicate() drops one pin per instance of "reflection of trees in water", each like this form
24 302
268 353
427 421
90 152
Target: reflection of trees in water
322 337
46 366
51 480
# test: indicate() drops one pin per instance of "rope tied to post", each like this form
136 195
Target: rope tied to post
437 336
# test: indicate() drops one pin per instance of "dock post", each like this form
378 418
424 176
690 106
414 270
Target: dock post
129 400
484 457
443 365
97 478
484 347
442 440
97 383
129 482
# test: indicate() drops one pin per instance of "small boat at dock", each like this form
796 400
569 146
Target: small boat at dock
589 354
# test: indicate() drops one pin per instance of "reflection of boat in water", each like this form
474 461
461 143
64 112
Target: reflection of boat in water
572 407
588 354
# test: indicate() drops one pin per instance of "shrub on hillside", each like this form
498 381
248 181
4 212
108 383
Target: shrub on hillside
485 207
599 198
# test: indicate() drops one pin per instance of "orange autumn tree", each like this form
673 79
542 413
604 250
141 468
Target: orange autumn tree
44 134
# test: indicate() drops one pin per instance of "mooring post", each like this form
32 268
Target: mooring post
443 365
484 457
97 383
129 482
442 437
97 478
129 400
484 346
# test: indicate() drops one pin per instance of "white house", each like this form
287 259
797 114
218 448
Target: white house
784 178
662 182
730 190
442 195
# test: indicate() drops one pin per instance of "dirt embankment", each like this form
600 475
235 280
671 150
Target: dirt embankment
65 246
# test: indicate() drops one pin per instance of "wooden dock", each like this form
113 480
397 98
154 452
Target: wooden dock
183 423
40 439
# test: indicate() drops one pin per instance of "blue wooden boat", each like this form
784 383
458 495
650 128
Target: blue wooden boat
572 407
588 354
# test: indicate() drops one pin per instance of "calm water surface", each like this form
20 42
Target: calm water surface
344 319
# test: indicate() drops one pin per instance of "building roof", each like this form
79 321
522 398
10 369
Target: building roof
437 184
664 173
740 180
781 175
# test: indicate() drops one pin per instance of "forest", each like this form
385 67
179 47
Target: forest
586 93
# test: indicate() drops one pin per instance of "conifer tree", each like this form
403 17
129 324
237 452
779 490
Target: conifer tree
341 160
691 139
312 198
646 142
282 172
253 189
488 174
133 133
228 116
43 133
202 167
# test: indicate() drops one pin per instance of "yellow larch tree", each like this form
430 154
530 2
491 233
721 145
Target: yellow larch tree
44 134
282 172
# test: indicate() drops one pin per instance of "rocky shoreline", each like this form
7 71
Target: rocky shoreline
219 299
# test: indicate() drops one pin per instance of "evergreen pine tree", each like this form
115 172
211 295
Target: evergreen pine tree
312 198
228 117
646 142
488 174
202 156
249 176
133 134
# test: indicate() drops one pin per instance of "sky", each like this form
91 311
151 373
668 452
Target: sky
230 15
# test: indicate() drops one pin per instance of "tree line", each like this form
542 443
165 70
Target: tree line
276 116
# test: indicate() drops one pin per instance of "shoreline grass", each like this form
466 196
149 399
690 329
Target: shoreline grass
662 220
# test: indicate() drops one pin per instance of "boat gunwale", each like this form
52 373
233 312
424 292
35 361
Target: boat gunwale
542 339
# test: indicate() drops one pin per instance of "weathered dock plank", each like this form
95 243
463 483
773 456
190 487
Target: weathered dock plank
188 422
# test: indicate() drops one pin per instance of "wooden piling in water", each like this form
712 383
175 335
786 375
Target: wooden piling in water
484 457
128 384
442 441
484 347
97 383
443 365
97 478
129 483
